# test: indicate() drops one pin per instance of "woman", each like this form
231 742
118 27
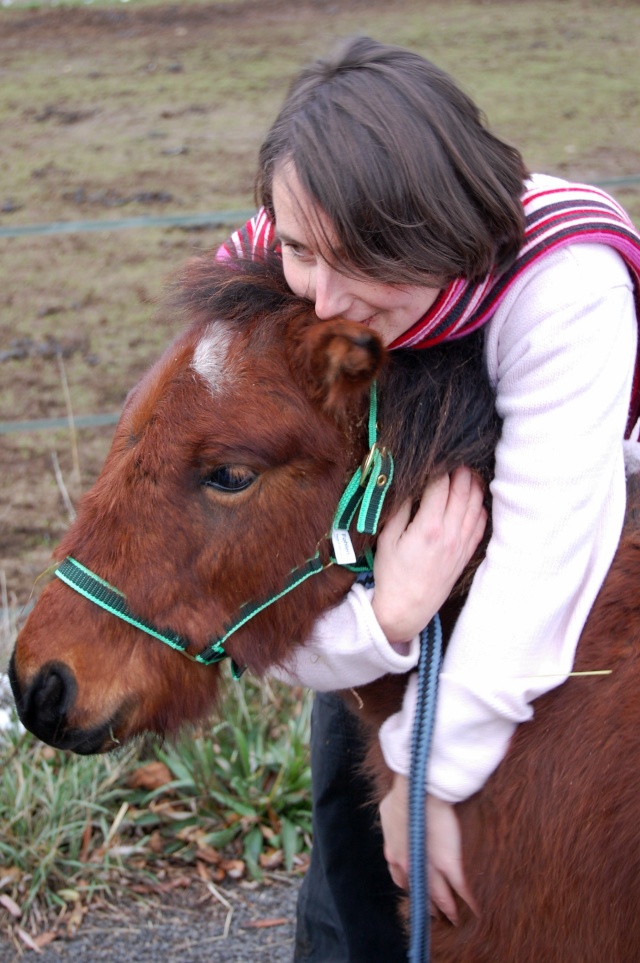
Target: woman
394 206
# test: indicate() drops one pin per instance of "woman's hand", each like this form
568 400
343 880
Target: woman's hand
418 561
444 844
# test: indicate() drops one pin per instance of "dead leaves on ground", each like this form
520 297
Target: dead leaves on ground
66 925
155 867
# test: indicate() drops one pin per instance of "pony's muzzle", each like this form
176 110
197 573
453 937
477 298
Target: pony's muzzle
44 704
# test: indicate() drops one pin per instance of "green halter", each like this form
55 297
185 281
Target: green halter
365 492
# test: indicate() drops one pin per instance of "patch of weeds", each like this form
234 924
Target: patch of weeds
56 810
229 801
243 783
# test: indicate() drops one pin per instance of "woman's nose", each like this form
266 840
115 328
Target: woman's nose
331 295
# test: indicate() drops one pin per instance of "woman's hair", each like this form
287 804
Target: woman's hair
399 160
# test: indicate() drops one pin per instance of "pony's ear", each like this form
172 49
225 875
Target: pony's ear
336 360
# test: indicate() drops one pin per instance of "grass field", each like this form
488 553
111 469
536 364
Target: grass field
119 110
128 110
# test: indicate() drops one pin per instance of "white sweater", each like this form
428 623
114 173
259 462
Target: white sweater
560 352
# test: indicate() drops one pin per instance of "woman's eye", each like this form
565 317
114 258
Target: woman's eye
230 478
297 251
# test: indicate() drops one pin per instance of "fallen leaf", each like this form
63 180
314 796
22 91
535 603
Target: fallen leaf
234 868
43 939
152 776
271 859
263 924
143 888
301 861
168 809
11 874
69 895
86 840
209 855
10 905
75 919
28 941
190 834
180 882
156 843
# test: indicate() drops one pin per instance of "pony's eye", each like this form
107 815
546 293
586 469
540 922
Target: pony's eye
230 478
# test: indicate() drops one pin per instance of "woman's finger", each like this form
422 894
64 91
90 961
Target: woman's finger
442 897
398 876
434 501
397 524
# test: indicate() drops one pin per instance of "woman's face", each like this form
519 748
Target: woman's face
390 309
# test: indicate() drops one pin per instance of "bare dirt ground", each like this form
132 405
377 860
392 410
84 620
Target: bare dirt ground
241 925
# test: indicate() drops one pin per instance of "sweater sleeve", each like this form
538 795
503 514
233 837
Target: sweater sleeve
347 648
561 352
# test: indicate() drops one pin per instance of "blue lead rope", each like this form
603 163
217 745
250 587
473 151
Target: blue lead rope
428 670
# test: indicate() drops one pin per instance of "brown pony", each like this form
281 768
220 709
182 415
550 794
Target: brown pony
224 475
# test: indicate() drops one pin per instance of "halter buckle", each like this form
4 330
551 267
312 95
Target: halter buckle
367 464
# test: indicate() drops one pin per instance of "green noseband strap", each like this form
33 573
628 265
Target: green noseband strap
94 588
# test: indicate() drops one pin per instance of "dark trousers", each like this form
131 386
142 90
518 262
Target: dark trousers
347 902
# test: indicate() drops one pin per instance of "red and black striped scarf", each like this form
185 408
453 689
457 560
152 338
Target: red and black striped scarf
555 216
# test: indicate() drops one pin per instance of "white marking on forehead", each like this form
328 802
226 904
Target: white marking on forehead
210 355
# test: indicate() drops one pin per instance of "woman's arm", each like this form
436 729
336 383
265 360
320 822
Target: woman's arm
561 353
368 635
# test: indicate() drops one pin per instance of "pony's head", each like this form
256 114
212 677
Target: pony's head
224 475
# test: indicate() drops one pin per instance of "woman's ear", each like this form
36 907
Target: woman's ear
335 360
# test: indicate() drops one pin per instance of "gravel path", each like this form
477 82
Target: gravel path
182 930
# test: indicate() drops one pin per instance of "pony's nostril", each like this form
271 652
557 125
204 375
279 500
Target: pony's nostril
48 698
46 701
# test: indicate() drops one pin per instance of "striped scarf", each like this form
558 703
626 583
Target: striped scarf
554 216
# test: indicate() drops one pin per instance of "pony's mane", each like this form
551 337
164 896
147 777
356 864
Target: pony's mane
437 412
242 292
